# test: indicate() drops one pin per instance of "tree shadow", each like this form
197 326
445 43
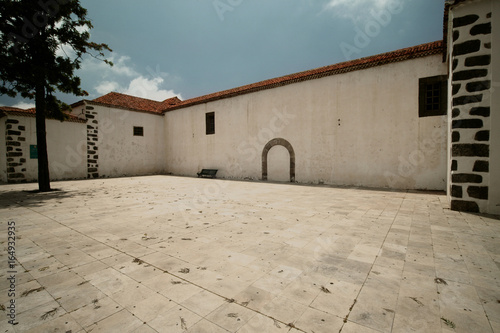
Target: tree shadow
33 198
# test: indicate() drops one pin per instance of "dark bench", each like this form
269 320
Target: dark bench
207 173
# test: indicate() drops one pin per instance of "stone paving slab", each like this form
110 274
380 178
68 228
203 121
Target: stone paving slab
175 254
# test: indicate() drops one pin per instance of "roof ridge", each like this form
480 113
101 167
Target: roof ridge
342 67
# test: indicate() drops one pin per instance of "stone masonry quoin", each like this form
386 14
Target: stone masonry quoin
470 123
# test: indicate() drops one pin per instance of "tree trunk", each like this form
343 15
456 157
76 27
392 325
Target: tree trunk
41 139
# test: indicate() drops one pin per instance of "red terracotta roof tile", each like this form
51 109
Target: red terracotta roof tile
32 113
114 99
344 67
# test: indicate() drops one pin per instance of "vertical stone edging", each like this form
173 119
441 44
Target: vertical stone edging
92 142
15 139
471 84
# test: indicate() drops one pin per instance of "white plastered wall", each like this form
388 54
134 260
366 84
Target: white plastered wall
359 128
63 138
120 153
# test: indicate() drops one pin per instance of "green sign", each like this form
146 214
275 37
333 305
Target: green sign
33 152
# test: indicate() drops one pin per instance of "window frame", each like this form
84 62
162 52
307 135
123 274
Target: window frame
210 123
423 88
138 131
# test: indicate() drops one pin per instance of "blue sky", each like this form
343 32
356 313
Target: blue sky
188 48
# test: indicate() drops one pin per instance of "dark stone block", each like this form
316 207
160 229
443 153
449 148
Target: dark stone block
469 74
92 135
95 175
21 128
91 170
481 29
462 100
95 122
91 161
478 192
466 178
482 136
456 88
12 121
467 123
89 108
13 143
15 175
22 160
483 60
478 86
8 126
19 149
10 148
480 111
488 15
454 165
470 149
455 64
23 170
455 112
455 136
487 45
90 152
464 206
90 127
464 20
95 139
10 159
12 164
14 154
11 132
456 191
96 157
456 34
470 46
481 166
9 138
89 116
21 139
11 170
91 143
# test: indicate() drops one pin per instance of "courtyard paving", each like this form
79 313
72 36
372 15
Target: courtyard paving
173 254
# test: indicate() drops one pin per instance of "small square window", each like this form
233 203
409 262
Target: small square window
433 96
210 123
138 131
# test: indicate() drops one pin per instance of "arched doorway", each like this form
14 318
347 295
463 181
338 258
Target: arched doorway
271 144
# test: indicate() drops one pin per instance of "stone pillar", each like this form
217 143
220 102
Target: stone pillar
15 135
471 82
92 142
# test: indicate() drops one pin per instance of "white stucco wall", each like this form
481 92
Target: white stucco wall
358 128
64 147
123 154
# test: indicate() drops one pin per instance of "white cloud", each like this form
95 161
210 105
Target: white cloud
149 88
355 9
24 105
124 78
107 86
139 87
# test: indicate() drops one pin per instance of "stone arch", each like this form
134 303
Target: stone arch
271 144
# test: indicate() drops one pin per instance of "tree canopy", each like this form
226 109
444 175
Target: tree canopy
42 43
